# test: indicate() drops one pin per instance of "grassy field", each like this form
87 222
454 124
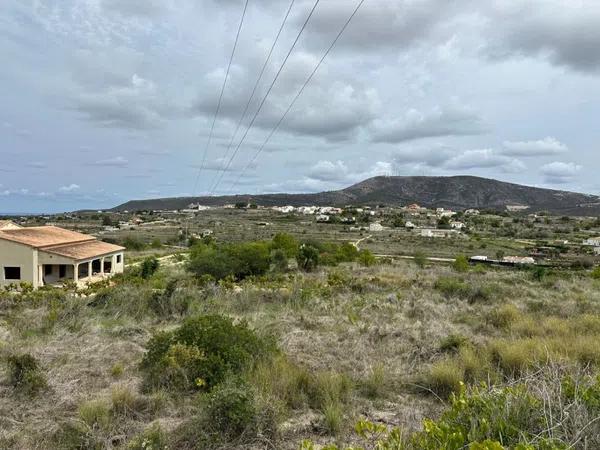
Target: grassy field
387 344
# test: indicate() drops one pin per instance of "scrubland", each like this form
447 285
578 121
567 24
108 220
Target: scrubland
386 355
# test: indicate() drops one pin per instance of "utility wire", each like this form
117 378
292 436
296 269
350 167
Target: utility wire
258 80
212 128
308 80
267 94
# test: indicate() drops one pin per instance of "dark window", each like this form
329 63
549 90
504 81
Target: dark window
12 273
47 270
62 271
118 259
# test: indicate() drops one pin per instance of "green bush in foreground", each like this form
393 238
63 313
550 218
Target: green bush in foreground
201 353
25 374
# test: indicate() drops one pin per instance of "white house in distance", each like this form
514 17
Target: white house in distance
50 255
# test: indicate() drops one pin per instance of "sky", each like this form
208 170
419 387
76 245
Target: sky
104 101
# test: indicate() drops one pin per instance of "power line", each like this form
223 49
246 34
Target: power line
267 94
308 80
212 128
258 80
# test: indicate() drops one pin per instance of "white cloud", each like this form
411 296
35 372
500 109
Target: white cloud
560 172
542 147
69 188
118 161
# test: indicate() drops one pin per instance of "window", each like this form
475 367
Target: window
118 259
47 270
12 273
62 271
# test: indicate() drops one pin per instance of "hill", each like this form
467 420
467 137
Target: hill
457 192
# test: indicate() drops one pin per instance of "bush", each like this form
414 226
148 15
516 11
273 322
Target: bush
366 258
279 260
596 273
286 243
452 287
153 438
461 264
237 260
25 374
133 243
231 408
420 259
201 353
308 257
149 267
445 377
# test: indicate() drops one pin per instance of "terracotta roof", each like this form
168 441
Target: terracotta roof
84 250
40 237
8 224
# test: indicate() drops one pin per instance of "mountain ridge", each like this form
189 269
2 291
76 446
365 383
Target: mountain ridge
456 192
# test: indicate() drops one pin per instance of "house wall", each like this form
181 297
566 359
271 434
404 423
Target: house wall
13 254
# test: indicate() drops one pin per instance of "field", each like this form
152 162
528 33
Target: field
448 355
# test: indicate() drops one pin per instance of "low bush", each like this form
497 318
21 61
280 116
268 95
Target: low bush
452 287
25 374
224 260
153 438
201 353
149 267
231 408
308 257
461 264
596 273
366 258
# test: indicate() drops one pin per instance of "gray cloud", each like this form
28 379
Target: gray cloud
566 33
117 161
542 147
560 172
415 124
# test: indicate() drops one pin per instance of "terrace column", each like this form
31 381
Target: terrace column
40 275
89 269
102 266
75 272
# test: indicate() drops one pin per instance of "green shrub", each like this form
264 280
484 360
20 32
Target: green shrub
201 353
237 260
461 264
420 259
286 243
133 243
596 273
366 258
25 374
452 287
308 257
279 260
149 267
453 342
231 408
153 438
376 384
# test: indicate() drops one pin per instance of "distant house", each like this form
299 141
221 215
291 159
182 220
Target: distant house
594 242
457 225
518 260
50 255
409 225
435 233
376 227
472 212
8 225
322 218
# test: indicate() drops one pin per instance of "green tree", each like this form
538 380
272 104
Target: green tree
308 257
287 243
444 223
366 258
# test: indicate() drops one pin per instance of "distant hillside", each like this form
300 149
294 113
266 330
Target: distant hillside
459 192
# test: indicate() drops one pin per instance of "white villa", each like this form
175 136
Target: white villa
50 255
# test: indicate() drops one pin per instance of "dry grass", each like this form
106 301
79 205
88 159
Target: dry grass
351 348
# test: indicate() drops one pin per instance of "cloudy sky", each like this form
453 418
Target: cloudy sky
102 101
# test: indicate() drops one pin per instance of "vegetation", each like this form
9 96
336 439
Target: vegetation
285 340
